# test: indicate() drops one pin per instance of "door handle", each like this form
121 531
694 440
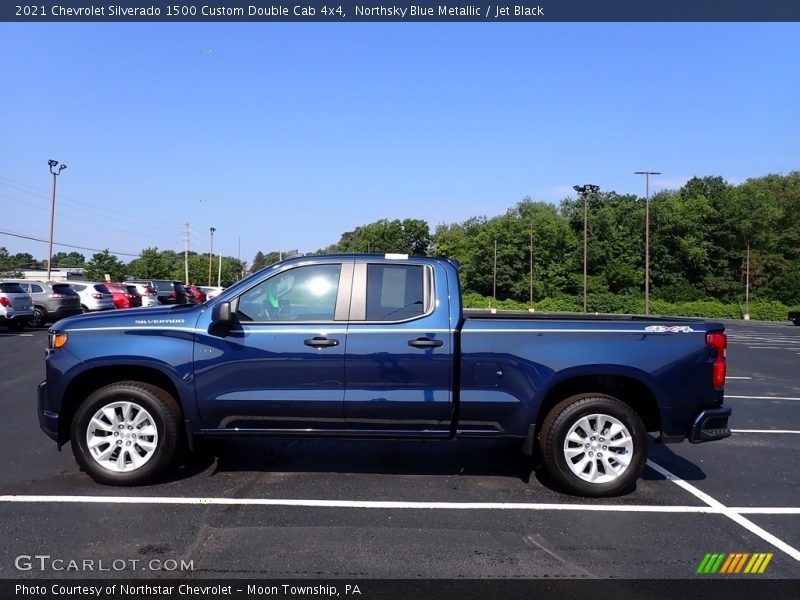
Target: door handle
424 342
321 342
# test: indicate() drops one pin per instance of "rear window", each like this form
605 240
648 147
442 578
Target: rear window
179 288
64 289
101 287
12 288
394 292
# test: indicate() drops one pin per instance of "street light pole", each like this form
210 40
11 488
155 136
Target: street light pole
52 164
584 191
210 254
647 238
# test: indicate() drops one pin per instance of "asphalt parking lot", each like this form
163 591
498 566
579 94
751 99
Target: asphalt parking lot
372 509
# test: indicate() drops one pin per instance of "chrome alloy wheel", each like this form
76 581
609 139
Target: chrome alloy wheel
598 448
121 436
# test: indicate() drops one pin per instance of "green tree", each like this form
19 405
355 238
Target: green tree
409 236
104 263
150 263
71 259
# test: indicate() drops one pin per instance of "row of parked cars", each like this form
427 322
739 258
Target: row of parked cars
26 302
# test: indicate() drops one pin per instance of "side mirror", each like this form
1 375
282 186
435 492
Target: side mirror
221 318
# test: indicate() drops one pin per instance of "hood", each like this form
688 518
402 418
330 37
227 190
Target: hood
175 315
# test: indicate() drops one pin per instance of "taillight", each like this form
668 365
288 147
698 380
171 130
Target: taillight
174 294
97 296
5 301
718 341
58 296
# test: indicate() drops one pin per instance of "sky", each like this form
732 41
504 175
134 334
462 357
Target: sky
285 135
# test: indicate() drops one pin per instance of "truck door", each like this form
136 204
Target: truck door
399 351
281 365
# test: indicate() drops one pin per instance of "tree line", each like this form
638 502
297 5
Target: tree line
152 263
700 239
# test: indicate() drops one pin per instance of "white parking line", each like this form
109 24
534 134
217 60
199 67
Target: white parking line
731 377
767 347
763 397
763 510
649 508
764 431
16 335
728 512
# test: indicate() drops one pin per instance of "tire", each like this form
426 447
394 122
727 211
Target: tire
142 424
574 429
38 319
84 309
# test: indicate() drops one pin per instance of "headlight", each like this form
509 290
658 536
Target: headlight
56 340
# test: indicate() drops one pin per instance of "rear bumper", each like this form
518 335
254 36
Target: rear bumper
48 421
62 312
709 425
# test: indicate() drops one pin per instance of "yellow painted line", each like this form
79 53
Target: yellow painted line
759 558
765 563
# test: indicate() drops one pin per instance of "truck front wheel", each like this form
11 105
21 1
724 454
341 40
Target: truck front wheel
126 433
593 445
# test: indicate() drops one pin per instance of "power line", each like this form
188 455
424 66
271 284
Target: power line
36 239
76 203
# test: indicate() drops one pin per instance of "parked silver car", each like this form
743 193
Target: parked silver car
16 305
52 301
94 295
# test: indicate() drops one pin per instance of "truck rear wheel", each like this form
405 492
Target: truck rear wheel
593 445
126 433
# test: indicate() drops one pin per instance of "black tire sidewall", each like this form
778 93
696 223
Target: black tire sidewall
39 318
577 408
155 402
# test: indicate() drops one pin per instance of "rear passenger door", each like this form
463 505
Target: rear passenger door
399 350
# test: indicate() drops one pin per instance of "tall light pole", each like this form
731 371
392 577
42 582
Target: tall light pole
53 164
584 191
210 254
647 238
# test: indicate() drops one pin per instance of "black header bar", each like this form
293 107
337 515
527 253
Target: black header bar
387 11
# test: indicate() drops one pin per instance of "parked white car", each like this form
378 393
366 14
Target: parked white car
211 291
16 305
146 291
94 295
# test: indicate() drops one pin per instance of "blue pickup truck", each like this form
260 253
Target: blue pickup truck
379 346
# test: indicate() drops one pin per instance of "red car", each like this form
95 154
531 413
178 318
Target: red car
124 295
195 294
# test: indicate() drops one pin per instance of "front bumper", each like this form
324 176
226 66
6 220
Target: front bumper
48 421
709 425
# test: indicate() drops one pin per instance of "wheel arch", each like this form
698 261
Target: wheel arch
93 379
625 387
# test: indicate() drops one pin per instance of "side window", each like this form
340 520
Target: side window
301 294
36 289
395 292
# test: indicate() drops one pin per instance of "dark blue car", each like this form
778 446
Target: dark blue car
379 346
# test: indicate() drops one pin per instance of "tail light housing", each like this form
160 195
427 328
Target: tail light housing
719 342
97 296
5 301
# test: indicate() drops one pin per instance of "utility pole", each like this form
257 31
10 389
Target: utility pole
494 275
531 278
584 192
53 164
647 238
219 273
747 286
211 254
186 252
